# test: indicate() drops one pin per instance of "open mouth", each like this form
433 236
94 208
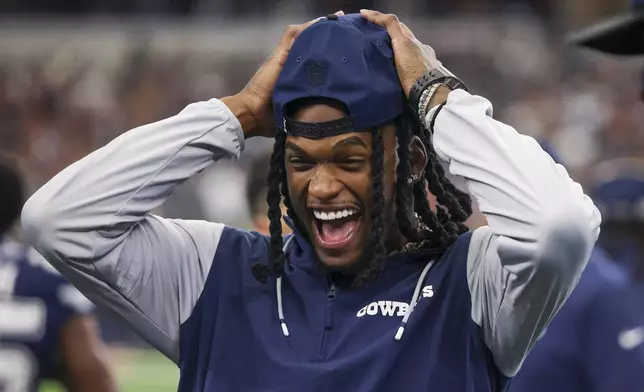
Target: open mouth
336 229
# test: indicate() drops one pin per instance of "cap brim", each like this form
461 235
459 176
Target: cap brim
623 35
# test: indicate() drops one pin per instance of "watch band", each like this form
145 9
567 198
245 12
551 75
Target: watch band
438 75
425 97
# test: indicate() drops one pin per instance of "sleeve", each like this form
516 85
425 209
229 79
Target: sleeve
92 221
541 226
614 338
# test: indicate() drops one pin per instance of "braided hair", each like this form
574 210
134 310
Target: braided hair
428 229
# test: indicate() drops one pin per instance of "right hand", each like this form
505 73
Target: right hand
252 105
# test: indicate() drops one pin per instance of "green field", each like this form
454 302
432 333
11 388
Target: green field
139 371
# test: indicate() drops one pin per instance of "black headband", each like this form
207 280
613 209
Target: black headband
318 130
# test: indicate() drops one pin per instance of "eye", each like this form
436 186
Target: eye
351 164
301 164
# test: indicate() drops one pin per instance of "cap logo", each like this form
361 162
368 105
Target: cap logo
317 73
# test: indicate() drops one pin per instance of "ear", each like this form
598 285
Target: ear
418 157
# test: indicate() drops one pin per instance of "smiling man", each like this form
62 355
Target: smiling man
373 291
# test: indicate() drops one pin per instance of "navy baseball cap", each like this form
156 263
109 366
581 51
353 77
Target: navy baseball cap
622 35
618 189
347 59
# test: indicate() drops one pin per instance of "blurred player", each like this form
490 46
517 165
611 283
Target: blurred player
618 189
374 291
47 330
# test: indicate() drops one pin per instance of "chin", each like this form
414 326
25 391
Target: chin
341 263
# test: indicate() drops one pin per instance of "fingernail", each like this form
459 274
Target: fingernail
365 10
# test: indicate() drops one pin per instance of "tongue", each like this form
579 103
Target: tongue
336 231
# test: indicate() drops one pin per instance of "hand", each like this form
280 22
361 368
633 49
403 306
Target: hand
252 106
413 58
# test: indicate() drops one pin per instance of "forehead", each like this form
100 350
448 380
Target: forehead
316 112
325 110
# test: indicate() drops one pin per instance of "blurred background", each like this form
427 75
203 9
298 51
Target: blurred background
74 74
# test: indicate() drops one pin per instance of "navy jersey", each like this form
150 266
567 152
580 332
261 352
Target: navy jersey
35 304
233 341
463 323
596 341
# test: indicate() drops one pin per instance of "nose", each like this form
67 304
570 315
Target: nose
324 185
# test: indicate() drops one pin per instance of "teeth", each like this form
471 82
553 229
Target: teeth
334 215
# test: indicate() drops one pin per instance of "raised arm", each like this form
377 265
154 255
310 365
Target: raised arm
541 226
92 220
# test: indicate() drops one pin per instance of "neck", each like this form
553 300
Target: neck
395 240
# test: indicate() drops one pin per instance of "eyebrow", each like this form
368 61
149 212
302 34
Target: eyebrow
295 148
350 141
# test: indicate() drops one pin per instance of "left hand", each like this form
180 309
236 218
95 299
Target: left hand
413 59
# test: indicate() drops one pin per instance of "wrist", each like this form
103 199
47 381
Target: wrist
439 97
243 113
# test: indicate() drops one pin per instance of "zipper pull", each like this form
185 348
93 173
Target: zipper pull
331 294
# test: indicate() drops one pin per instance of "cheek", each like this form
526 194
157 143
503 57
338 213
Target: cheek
296 184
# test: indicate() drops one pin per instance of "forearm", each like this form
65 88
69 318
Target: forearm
97 378
240 110
85 357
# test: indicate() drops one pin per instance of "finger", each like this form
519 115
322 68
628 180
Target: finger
293 31
406 30
388 21
310 22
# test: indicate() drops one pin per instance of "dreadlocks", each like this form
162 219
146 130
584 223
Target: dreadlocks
429 230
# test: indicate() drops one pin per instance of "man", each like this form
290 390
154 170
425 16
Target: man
47 330
373 292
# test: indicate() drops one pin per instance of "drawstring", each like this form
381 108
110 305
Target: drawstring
401 328
414 299
280 308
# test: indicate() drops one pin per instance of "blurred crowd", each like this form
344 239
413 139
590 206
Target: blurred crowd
265 7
